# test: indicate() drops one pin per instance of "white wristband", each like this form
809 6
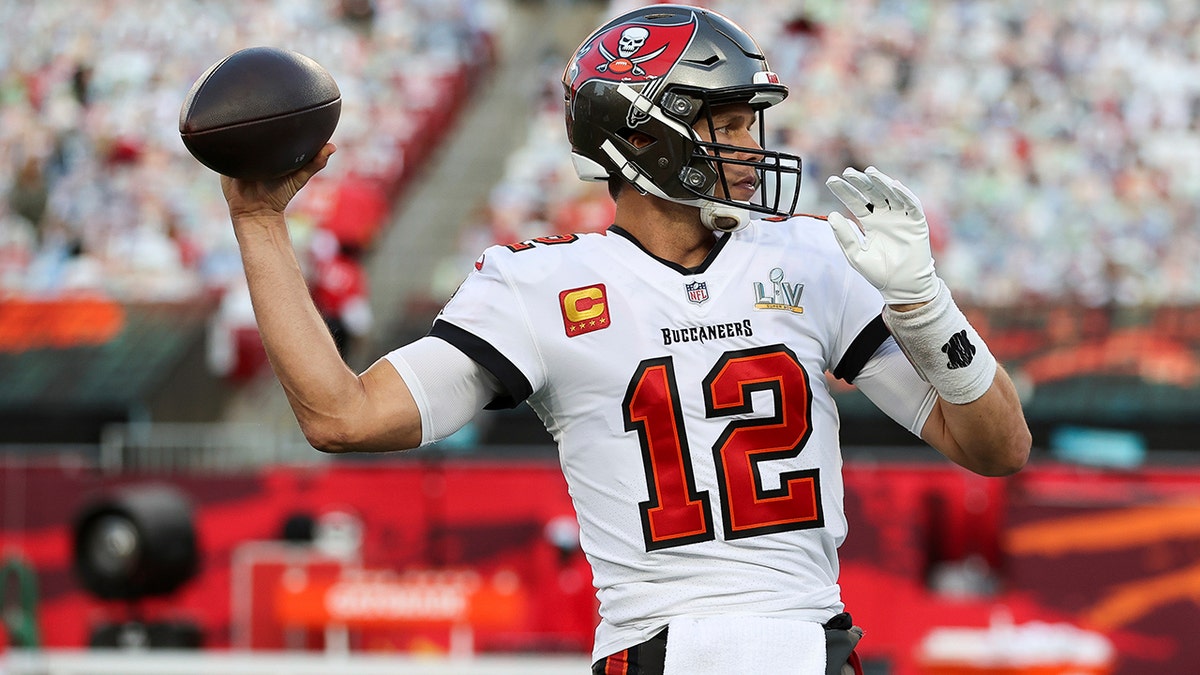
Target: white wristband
944 348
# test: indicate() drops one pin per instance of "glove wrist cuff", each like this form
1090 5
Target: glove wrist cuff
944 348
928 288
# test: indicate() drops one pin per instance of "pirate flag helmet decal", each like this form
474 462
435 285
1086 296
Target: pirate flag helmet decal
636 52
659 70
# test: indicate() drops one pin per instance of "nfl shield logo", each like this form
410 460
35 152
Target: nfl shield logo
697 292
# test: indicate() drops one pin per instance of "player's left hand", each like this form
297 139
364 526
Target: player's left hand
890 247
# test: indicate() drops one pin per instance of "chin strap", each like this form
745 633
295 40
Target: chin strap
714 215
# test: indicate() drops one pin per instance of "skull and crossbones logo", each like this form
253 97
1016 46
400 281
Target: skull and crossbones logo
626 60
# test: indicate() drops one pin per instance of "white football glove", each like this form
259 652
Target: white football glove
891 250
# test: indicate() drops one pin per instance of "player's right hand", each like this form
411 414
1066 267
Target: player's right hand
890 245
250 198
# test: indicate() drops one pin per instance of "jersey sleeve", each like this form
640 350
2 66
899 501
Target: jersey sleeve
448 387
894 386
486 319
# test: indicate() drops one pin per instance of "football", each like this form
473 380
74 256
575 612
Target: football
260 113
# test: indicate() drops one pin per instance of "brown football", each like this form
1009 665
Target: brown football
260 113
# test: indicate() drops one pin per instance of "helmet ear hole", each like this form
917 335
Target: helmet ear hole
638 139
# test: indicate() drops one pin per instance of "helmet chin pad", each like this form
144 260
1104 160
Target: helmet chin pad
723 217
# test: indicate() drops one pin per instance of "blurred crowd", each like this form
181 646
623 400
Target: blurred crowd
98 193
1054 143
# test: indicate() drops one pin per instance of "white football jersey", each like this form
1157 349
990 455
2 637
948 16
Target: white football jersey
694 422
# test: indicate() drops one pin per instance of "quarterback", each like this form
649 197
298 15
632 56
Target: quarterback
679 358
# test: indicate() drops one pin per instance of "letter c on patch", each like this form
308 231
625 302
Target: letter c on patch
584 310
583 304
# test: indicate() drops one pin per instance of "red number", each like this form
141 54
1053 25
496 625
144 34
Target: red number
550 240
749 509
677 513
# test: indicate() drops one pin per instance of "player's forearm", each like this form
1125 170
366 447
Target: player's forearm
319 386
988 436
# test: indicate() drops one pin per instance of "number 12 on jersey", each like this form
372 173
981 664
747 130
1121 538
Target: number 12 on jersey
677 513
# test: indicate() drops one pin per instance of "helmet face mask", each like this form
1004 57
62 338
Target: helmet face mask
658 71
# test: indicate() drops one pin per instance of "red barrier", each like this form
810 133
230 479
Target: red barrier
930 546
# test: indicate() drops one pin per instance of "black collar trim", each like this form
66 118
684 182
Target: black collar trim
686 271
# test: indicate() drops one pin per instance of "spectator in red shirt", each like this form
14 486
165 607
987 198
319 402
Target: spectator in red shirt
339 290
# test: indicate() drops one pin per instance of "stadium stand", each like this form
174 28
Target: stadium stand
102 194
104 208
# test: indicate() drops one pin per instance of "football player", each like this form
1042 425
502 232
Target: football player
679 358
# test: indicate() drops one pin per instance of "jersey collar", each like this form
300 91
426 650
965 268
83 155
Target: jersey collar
722 239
